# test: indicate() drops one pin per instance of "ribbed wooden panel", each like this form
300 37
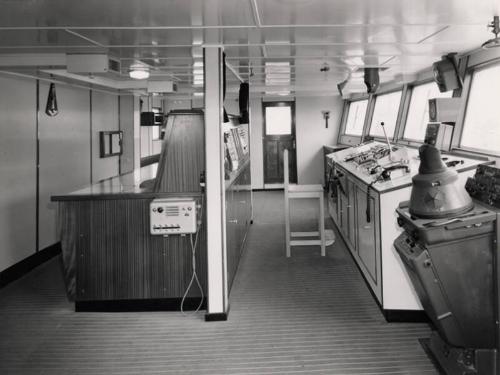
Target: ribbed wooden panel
119 259
182 157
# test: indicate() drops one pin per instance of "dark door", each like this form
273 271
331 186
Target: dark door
279 134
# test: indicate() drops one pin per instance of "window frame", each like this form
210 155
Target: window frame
460 124
351 139
406 112
394 136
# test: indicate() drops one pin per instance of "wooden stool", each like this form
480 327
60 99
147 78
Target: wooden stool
303 191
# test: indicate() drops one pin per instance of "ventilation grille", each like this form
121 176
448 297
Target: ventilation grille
172 210
114 65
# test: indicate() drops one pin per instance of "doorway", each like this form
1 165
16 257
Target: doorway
279 134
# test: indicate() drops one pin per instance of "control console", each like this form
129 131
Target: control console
485 186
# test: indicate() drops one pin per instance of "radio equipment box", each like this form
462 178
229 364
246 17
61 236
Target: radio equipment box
173 216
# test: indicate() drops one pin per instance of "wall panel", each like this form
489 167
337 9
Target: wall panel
64 153
129 124
18 170
312 135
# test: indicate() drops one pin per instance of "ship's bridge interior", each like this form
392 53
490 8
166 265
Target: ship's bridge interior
249 187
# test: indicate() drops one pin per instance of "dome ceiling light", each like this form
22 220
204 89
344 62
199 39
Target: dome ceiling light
138 72
495 26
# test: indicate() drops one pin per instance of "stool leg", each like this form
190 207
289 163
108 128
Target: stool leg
287 225
322 224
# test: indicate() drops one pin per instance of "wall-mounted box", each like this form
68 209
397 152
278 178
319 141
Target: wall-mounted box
173 216
152 118
444 109
110 143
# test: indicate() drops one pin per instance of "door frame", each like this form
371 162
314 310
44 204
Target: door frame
280 103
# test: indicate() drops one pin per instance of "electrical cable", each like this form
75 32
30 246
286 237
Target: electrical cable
194 276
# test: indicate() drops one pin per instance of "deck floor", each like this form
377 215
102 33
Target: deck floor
302 315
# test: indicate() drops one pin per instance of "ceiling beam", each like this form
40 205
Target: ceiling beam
255 13
263 26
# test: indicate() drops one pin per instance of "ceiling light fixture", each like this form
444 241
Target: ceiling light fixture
139 72
342 85
495 26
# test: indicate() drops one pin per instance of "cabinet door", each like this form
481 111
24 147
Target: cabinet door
343 212
230 234
333 209
351 210
367 241
239 214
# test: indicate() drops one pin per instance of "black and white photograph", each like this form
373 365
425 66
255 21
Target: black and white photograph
249 187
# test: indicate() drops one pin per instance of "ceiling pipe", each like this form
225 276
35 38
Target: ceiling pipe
233 70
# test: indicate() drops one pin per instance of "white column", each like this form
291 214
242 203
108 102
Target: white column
215 192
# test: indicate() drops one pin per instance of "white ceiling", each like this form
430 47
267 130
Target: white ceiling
404 36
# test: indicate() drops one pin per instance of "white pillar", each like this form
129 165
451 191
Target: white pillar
218 304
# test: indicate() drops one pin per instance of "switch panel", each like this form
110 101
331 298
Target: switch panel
173 216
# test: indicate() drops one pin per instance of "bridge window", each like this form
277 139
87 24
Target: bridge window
418 113
481 129
356 117
386 111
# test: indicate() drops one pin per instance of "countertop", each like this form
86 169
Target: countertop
126 186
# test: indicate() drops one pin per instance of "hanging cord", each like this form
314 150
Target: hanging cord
329 180
194 276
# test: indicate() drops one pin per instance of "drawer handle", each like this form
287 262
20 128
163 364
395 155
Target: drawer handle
367 227
233 221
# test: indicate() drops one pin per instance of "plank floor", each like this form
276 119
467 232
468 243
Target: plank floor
302 315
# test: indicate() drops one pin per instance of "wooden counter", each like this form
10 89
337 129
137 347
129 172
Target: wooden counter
105 235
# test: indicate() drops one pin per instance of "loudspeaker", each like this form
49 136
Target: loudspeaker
147 118
372 80
446 74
